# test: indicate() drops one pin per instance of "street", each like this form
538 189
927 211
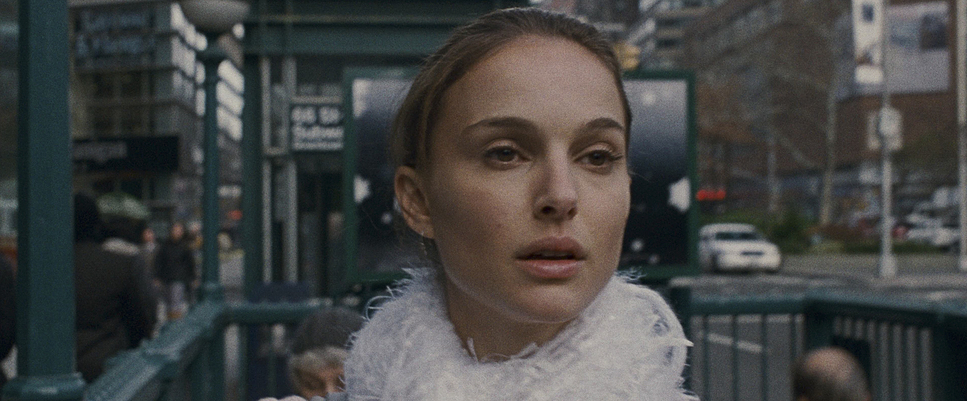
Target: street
920 276
763 351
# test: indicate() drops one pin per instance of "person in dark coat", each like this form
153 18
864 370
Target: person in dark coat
174 269
116 305
8 309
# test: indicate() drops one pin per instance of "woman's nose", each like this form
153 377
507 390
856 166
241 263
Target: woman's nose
557 194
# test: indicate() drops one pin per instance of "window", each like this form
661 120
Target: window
133 85
667 43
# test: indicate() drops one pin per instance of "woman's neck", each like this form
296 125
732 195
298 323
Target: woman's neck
489 335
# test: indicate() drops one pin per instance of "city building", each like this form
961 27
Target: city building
782 109
8 125
660 27
137 106
136 110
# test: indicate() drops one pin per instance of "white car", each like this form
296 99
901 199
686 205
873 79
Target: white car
736 247
945 236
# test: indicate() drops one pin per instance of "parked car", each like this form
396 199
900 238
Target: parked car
736 247
940 235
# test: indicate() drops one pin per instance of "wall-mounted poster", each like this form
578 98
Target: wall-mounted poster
379 253
660 235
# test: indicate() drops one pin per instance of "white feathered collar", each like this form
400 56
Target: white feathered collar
627 345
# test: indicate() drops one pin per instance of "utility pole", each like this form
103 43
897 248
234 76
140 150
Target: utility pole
887 265
962 126
772 178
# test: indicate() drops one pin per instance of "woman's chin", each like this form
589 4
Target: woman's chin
552 306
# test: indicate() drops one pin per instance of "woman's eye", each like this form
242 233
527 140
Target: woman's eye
600 158
502 154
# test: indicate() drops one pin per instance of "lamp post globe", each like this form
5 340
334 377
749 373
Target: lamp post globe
214 16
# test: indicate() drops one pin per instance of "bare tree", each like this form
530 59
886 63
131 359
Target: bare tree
721 125
823 33
786 57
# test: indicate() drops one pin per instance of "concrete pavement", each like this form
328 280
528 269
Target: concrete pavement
914 271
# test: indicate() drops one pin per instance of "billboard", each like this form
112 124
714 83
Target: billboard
918 59
867 31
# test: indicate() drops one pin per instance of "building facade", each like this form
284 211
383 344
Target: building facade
781 105
8 125
660 28
137 105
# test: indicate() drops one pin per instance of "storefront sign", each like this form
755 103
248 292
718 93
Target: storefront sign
148 154
111 37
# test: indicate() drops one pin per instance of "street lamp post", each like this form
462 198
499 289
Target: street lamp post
961 40
212 18
887 265
211 58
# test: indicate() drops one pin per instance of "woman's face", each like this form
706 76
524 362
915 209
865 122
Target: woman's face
526 192
320 382
177 232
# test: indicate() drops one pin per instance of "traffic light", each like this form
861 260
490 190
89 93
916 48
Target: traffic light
627 55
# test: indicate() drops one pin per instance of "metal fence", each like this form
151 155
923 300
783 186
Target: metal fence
186 361
746 346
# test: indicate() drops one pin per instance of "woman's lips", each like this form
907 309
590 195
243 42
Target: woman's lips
550 269
551 258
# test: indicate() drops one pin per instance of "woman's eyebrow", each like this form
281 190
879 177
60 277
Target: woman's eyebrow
602 123
515 123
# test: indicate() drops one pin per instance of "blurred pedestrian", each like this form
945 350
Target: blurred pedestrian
830 374
194 237
174 270
149 247
8 312
319 348
116 305
123 234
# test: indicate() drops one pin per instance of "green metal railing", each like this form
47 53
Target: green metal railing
185 361
746 346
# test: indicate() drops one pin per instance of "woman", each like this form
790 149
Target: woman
319 351
510 151
174 271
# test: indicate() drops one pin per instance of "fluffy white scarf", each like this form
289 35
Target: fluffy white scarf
627 345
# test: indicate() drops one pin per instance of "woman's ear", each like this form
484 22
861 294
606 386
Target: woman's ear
408 186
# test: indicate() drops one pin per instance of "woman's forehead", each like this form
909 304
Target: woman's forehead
537 79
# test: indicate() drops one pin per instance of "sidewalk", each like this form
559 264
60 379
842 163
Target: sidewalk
934 275
866 265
